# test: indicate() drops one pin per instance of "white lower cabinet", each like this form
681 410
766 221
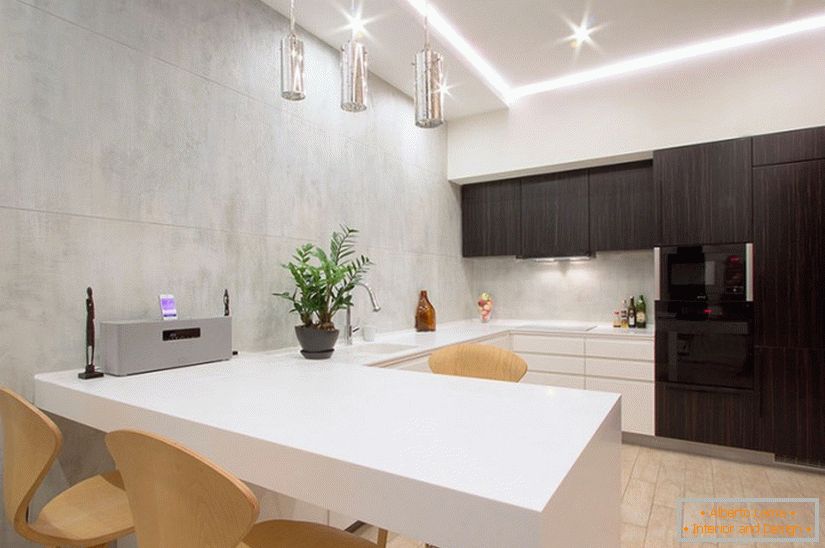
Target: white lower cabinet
637 402
548 363
622 365
421 364
554 379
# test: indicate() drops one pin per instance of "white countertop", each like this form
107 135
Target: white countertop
459 433
510 444
466 331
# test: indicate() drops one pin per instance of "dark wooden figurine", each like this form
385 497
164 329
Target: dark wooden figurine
90 372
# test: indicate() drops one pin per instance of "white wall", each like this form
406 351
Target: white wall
144 149
586 291
761 89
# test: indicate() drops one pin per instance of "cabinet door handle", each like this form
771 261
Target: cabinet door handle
749 272
657 273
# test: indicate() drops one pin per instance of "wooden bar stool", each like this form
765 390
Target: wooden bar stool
181 500
478 360
93 512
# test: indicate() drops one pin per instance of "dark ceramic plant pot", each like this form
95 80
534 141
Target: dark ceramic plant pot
316 344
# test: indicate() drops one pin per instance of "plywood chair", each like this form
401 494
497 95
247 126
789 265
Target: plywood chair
181 500
93 512
478 360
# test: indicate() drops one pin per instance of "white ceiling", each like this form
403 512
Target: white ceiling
524 40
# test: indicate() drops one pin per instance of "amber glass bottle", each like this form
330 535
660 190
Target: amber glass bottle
424 314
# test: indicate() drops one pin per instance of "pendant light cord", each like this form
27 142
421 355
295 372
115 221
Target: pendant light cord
426 25
292 16
352 14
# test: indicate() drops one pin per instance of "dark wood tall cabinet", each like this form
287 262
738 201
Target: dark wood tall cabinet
789 255
555 219
704 192
789 146
793 412
789 295
622 210
491 218
707 415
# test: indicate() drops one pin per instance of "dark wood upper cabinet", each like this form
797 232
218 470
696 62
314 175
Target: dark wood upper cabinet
622 207
789 255
555 215
789 146
704 192
491 219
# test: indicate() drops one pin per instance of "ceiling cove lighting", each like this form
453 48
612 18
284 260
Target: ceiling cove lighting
429 84
354 68
669 56
292 62
463 47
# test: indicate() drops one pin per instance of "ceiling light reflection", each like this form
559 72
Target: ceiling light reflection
670 56
483 67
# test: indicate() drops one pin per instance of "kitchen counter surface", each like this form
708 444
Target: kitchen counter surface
392 447
406 344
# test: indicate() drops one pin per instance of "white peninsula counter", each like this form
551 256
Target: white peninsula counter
451 461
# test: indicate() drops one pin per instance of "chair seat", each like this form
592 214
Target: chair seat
300 534
94 511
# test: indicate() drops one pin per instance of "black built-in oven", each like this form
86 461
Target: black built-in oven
704 316
705 344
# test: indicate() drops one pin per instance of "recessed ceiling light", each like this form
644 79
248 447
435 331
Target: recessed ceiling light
581 34
670 56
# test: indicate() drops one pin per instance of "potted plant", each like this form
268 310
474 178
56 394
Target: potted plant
324 282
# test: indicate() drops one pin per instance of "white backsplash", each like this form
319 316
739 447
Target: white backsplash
587 291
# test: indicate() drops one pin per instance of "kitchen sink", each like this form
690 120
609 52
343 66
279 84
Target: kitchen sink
371 350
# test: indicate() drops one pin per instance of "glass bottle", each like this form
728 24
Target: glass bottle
424 313
641 312
623 312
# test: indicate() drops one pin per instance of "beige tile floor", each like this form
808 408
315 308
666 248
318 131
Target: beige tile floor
652 480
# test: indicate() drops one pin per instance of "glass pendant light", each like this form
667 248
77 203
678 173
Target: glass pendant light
354 71
429 84
292 62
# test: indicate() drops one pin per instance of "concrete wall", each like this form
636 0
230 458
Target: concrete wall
144 149
587 291
760 89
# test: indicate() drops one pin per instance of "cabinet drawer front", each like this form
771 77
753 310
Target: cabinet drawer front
554 364
637 402
500 342
622 349
417 364
548 345
553 379
621 369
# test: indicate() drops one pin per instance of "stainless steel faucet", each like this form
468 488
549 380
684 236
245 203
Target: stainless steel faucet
349 330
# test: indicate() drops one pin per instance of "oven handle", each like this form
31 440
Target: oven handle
749 272
657 272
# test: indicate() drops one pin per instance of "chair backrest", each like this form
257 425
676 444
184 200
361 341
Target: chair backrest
178 498
478 360
31 442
